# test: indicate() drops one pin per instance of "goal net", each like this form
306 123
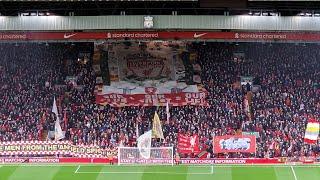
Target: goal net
156 155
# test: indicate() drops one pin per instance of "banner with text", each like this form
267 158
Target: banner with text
223 144
53 148
176 99
149 74
156 35
188 144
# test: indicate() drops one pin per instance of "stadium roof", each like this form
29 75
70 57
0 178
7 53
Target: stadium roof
162 7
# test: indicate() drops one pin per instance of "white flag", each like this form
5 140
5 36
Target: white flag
137 131
144 144
168 112
58 134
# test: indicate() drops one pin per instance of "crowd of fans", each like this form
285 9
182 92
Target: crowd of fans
286 92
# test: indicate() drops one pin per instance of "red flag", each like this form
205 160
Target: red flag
43 118
188 144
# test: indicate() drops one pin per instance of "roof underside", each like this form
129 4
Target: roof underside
201 7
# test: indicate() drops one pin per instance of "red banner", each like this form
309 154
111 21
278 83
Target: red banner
165 161
8 160
175 99
152 35
232 161
188 144
222 144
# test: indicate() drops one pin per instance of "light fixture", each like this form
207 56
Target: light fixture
273 14
308 14
256 13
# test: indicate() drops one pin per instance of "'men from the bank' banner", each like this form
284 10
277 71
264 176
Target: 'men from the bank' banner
28 148
222 144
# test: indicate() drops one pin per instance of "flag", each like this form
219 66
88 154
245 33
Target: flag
58 134
188 144
156 127
137 130
43 118
144 144
168 112
65 120
246 107
312 131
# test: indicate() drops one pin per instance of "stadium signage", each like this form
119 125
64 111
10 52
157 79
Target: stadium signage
106 160
231 161
264 36
52 148
13 36
163 35
225 144
133 35
147 161
213 161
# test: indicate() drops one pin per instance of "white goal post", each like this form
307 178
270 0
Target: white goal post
158 156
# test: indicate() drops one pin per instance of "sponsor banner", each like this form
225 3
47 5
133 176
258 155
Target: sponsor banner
188 144
256 134
154 35
66 148
174 99
231 161
223 144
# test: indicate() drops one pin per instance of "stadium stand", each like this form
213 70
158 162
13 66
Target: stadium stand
285 95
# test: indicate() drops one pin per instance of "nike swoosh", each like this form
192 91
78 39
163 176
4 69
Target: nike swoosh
66 36
198 35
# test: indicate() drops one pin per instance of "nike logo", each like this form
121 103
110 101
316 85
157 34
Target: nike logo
198 35
66 36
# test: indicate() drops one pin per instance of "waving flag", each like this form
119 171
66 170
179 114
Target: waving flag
157 127
167 111
144 144
58 134
137 130
312 131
